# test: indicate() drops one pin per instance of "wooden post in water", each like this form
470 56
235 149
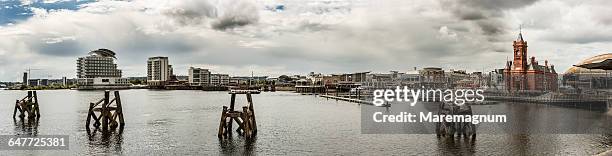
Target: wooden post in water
27 106
119 110
16 107
36 108
104 112
251 111
108 113
222 122
245 118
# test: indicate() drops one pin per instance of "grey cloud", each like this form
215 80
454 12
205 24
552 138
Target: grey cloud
191 12
220 16
491 27
231 22
484 13
469 14
236 13
299 39
64 48
582 38
153 43
496 4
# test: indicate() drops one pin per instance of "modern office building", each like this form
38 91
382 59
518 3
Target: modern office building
158 71
98 70
199 76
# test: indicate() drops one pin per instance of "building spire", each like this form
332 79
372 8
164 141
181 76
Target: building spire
520 37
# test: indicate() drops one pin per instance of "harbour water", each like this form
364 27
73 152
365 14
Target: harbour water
184 122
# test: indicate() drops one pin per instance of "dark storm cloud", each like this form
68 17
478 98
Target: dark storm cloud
231 22
491 26
229 14
236 14
469 14
485 13
498 5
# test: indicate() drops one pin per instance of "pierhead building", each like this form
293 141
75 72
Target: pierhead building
527 74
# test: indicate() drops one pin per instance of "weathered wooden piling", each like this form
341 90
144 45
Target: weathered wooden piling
247 125
27 106
109 116
449 129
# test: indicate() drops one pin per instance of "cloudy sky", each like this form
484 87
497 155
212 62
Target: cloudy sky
274 37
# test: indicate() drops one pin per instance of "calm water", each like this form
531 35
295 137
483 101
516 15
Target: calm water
186 123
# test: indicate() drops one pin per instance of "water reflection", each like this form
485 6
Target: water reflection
186 123
242 146
26 127
109 141
458 145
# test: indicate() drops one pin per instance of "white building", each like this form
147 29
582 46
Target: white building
158 70
203 77
219 79
199 76
99 71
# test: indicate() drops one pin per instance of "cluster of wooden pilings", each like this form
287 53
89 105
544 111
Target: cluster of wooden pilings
450 129
247 125
28 106
104 113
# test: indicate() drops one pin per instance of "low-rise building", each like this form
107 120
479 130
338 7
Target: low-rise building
199 76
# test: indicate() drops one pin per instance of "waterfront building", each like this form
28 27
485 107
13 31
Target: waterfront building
381 80
215 79
528 75
496 80
158 71
433 77
224 79
316 79
411 79
235 81
219 79
199 76
454 76
331 80
589 79
98 70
